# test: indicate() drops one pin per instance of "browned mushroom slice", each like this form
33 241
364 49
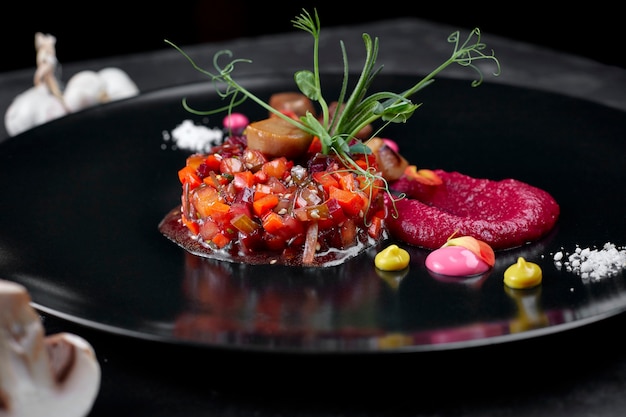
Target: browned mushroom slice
276 137
292 102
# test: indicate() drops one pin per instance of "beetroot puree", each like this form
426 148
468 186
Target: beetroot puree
503 214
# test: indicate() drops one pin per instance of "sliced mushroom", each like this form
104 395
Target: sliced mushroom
52 376
292 102
276 137
390 162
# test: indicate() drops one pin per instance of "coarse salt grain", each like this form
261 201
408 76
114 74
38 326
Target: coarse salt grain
593 264
196 138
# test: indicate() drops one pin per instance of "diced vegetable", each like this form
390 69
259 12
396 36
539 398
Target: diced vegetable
241 199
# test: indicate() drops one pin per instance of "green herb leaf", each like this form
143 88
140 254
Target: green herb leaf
355 110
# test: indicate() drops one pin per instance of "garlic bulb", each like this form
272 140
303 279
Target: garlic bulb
89 88
118 84
83 90
32 108
46 100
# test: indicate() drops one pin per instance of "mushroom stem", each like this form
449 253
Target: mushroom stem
53 376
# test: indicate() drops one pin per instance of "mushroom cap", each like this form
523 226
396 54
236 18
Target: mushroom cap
56 375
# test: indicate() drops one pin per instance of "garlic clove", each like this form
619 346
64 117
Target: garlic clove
84 89
31 108
118 84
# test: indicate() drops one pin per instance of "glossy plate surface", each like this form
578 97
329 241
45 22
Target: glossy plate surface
82 197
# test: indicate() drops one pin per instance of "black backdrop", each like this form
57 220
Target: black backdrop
99 29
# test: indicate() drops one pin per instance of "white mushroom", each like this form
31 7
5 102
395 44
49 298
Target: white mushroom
53 376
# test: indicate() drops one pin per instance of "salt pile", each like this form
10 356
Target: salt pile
593 264
196 138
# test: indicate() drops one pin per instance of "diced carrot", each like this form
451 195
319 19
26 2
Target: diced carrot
220 240
276 167
363 164
191 225
217 209
215 180
261 190
188 175
272 222
264 204
346 180
325 179
370 186
202 198
195 160
351 203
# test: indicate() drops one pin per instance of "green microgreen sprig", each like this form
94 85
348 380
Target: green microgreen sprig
355 111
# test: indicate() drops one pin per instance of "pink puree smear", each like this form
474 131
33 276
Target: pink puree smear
503 214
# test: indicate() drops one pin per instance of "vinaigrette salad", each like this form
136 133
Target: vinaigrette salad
310 184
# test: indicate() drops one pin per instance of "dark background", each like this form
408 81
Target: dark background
90 30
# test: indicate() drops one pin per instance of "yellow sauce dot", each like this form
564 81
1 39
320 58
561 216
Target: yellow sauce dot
523 274
391 341
392 258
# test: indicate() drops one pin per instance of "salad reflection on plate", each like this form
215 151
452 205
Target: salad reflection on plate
356 307
237 303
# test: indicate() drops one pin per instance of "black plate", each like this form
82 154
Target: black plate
82 197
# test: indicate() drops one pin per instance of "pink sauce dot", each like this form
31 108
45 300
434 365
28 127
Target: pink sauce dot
235 122
455 261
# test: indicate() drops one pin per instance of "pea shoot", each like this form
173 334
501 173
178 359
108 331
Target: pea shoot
355 110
